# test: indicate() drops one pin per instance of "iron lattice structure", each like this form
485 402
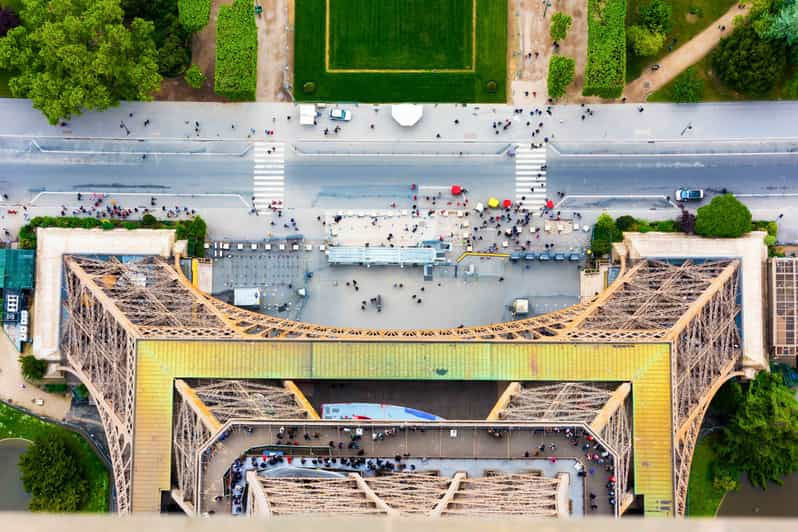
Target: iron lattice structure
202 409
601 408
406 494
110 304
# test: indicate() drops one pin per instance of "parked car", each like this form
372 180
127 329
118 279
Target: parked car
689 194
340 114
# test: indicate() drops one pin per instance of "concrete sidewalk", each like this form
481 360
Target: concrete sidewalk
237 121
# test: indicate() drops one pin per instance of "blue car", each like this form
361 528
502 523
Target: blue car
530 256
544 256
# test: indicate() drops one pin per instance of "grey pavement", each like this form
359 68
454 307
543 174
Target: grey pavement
616 122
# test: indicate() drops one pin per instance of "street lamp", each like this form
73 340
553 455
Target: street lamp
547 4
687 127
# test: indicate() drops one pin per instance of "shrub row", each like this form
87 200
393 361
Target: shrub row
561 74
194 14
192 230
236 51
605 72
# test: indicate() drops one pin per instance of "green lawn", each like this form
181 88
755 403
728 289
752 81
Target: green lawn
716 91
396 34
684 27
435 36
15 424
703 499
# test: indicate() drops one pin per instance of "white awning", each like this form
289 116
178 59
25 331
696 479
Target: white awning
307 114
407 114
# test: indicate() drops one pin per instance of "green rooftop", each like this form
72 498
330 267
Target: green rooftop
17 269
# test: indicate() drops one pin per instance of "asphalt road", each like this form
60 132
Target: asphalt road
336 182
23 175
376 182
748 174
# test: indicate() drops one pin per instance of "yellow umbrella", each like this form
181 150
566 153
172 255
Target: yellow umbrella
493 203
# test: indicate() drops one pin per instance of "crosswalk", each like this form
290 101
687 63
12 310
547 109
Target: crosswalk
530 177
268 175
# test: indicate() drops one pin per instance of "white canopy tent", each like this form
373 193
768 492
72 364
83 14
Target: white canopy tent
407 114
307 114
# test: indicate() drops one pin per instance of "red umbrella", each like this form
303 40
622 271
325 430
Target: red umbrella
457 190
549 204
507 204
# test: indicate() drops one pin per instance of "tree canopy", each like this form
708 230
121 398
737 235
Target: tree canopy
53 475
71 55
688 87
760 438
656 15
724 217
749 63
645 41
605 232
33 368
8 20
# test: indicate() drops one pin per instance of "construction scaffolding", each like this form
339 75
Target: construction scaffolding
110 304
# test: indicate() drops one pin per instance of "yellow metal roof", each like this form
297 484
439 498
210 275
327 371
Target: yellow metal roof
646 366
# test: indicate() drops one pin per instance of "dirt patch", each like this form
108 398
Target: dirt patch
177 90
690 18
530 49
275 51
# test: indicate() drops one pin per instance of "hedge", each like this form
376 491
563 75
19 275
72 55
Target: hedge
561 74
236 51
605 73
192 230
193 14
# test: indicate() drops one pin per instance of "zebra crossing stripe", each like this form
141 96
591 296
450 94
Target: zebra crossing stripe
268 174
530 177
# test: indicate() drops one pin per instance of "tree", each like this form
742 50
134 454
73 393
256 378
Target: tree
657 16
605 232
760 439
645 42
688 87
8 20
172 40
71 55
561 74
53 475
194 232
625 223
749 63
33 369
560 22
194 77
724 217
784 25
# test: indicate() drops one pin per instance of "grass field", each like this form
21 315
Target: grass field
703 499
716 91
689 18
15 424
401 50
